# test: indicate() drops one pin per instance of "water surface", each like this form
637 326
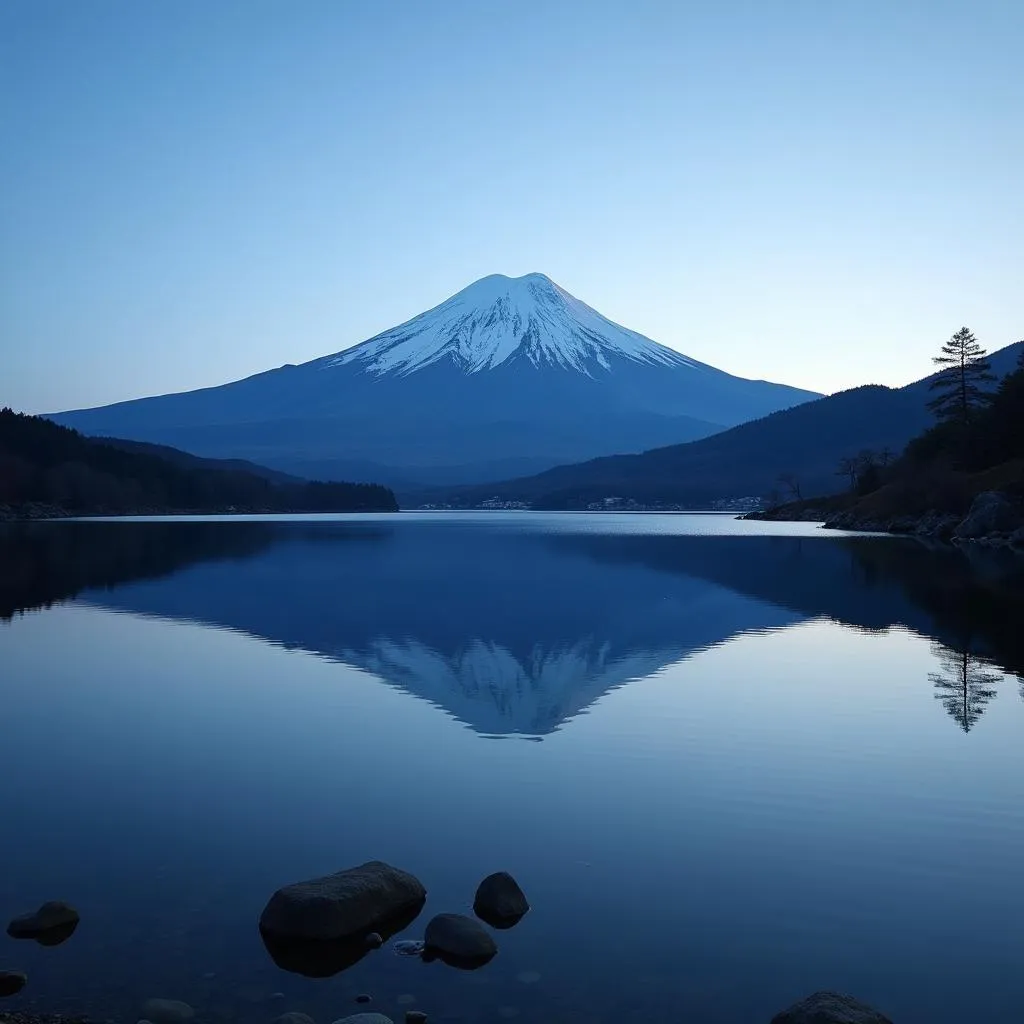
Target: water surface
730 763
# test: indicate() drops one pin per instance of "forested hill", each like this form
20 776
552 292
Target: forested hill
804 443
46 467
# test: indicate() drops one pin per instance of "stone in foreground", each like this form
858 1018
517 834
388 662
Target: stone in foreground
343 905
54 917
365 1018
294 1017
499 900
459 941
830 1008
12 982
167 1011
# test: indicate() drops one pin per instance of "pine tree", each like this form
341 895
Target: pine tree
960 384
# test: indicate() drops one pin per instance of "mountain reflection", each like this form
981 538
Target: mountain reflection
516 630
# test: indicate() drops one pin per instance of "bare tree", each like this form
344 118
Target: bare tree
848 468
792 483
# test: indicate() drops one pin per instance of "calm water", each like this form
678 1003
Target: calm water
730 763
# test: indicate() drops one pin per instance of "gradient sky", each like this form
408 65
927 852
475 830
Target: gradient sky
814 192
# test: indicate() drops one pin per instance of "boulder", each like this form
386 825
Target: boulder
365 1018
830 1008
499 901
459 941
167 1011
319 958
991 512
51 924
12 982
344 905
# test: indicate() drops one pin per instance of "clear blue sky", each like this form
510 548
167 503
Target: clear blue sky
816 192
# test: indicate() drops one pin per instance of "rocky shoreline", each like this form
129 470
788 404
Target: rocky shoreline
994 519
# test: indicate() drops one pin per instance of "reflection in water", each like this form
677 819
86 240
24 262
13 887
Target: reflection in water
518 631
747 813
964 685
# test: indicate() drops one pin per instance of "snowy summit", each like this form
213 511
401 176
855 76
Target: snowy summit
510 376
499 318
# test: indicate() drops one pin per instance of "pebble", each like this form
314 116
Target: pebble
12 982
409 947
374 940
364 998
167 1011
294 1017
415 1017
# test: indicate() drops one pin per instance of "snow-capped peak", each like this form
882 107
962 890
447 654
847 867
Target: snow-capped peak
498 317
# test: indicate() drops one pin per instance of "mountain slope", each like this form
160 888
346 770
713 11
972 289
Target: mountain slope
806 441
508 375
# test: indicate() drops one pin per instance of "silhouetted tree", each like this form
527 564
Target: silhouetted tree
848 468
792 483
964 685
959 385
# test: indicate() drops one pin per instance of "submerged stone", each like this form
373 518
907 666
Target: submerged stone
459 941
50 925
830 1008
167 1011
12 982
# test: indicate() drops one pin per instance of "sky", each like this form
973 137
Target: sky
806 191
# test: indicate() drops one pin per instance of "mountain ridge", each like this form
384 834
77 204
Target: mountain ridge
805 442
508 369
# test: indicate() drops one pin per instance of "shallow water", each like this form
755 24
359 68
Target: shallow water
730 763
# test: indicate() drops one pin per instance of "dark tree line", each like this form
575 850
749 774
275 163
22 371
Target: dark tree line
41 462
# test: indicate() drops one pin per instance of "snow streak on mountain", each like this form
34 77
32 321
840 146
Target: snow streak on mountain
497 317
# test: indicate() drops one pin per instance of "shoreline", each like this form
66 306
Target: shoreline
993 520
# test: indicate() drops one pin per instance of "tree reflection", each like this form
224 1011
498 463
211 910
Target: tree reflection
965 684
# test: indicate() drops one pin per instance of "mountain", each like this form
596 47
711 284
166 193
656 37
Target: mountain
45 464
806 441
508 377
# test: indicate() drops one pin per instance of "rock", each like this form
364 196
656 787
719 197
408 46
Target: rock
409 947
459 941
374 940
415 1017
364 998
12 982
499 900
830 1008
365 1018
167 1011
317 958
991 512
342 905
53 921
294 1017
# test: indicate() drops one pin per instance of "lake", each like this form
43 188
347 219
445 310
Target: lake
730 763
